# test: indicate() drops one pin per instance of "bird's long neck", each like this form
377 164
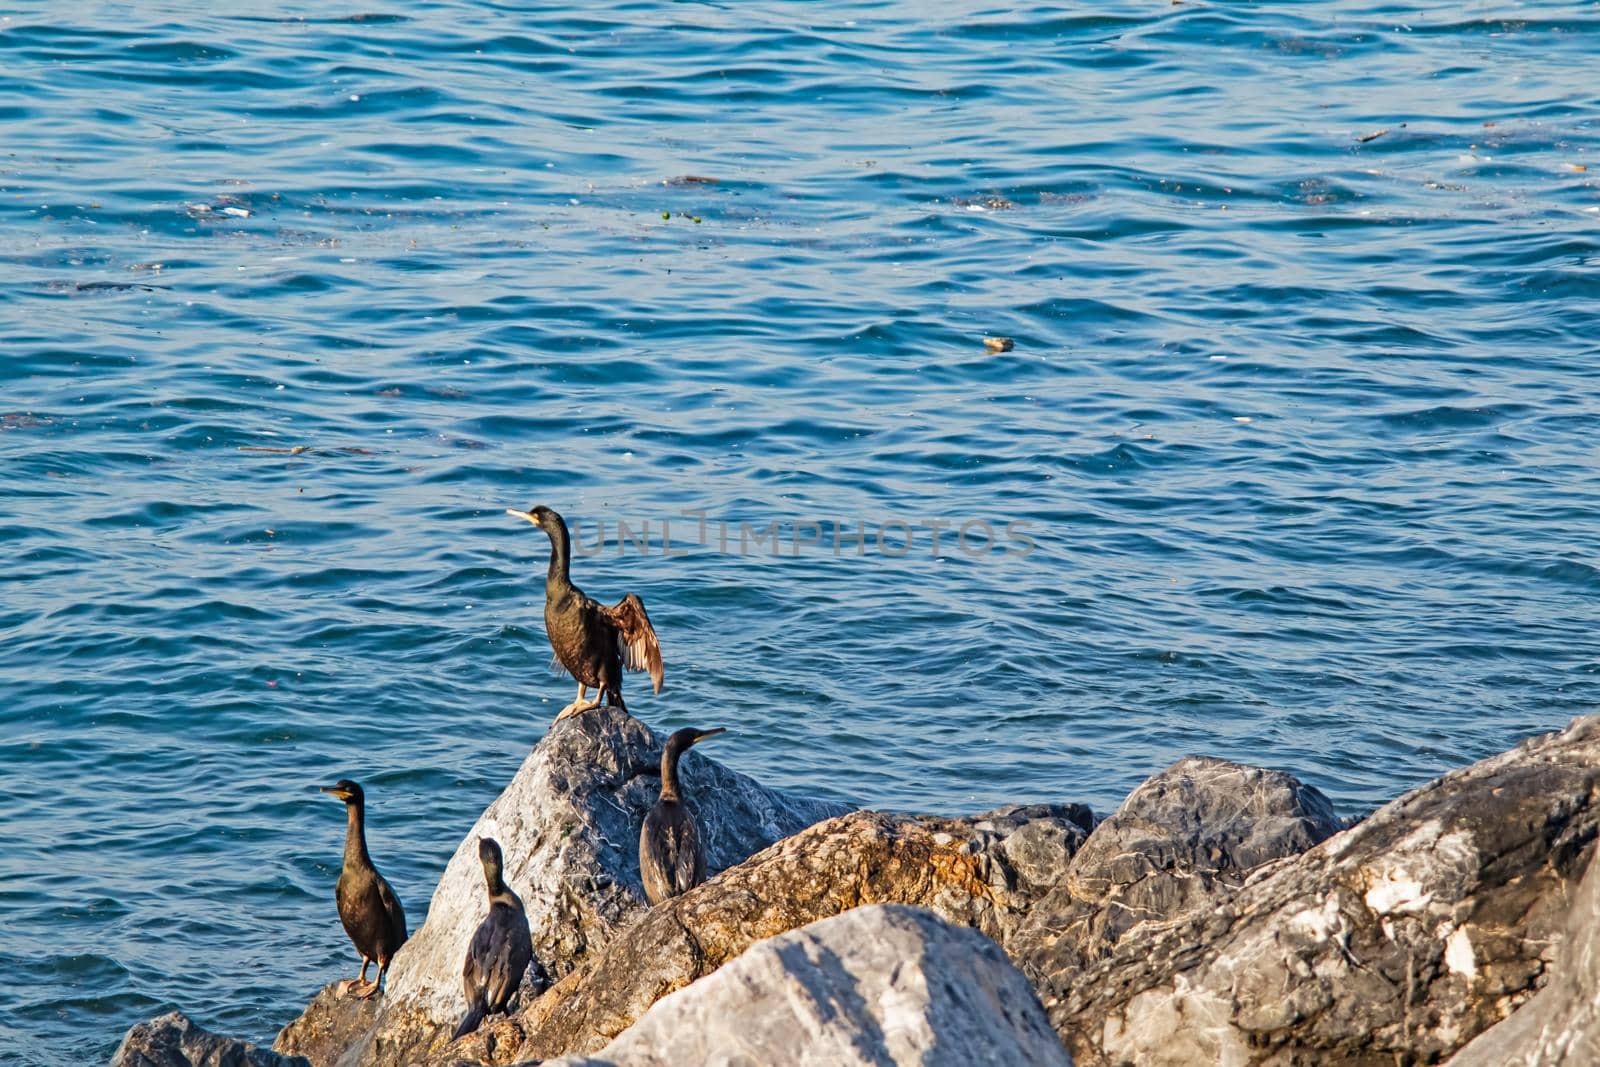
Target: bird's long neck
670 788
499 893
355 836
558 577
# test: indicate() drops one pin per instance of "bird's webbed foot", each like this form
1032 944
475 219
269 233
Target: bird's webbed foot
577 707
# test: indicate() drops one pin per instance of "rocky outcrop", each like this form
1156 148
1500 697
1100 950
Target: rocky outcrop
173 1040
1189 927
1396 941
1181 842
1560 1026
959 868
875 986
569 827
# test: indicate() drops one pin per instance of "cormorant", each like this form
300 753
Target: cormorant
592 642
368 907
670 859
501 947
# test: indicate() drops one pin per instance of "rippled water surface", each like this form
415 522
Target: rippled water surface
1300 422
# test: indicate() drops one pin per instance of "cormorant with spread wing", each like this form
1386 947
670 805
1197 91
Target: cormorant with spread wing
592 642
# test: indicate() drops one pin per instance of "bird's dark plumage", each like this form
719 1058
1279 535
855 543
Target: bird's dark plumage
592 642
501 947
368 907
671 860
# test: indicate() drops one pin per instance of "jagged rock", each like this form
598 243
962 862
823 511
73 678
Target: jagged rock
1396 941
569 827
1560 1026
1037 840
1183 840
956 867
875 986
173 1040
332 1026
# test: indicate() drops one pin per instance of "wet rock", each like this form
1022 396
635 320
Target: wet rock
1182 841
958 868
569 826
1560 1026
875 986
173 1040
1396 941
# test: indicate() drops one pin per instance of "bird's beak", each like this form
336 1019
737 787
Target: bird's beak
710 733
522 515
335 790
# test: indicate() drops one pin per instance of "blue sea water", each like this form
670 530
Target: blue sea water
1297 435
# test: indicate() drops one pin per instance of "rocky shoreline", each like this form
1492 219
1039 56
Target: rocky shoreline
1222 914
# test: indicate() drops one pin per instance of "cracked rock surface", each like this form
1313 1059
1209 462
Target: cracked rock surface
1560 1026
1396 941
958 868
879 985
1182 841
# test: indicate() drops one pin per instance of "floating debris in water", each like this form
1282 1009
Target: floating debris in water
1375 134
298 450
998 344
223 205
691 179
101 287
983 203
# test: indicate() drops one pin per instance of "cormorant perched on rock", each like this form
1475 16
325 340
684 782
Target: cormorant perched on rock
501 947
591 641
670 859
368 907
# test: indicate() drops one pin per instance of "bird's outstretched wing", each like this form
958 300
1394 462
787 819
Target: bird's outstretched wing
636 638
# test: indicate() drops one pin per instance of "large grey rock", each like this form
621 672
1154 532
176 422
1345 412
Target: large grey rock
569 827
173 1040
1182 841
1560 1026
1396 941
955 867
877 986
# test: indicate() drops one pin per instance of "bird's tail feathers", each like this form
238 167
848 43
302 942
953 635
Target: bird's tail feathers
471 1020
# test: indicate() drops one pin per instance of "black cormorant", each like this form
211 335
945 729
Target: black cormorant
501 947
368 907
670 858
592 642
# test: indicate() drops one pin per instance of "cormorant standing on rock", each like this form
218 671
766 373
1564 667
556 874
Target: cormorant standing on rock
670 859
368 907
501 947
591 641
